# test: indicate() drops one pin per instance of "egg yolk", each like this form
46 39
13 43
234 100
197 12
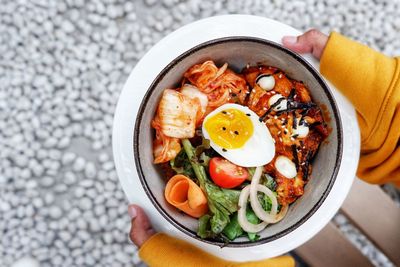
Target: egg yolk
230 128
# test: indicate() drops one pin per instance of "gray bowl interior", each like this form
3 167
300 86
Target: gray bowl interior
238 52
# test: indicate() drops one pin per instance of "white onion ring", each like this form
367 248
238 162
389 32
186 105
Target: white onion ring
242 219
255 186
266 218
282 213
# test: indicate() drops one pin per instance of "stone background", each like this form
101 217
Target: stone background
62 66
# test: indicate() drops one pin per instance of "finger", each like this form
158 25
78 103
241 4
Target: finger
313 41
141 228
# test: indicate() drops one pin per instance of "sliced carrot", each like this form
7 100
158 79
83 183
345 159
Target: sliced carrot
186 195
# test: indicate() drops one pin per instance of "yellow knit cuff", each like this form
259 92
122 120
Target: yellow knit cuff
151 244
163 250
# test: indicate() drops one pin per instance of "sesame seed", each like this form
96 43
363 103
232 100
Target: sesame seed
248 114
280 76
224 150
236 132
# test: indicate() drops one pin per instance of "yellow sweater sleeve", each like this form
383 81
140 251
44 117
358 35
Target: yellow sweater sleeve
370 80
162 250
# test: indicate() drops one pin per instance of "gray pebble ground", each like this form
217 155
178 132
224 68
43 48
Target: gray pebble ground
62 66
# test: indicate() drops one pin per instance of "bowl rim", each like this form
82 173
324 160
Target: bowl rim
158 79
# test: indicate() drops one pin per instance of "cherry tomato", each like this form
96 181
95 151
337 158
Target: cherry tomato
226 174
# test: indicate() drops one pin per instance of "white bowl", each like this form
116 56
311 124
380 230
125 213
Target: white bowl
139 82
238 52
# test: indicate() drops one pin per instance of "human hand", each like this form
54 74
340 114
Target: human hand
141 228
312 41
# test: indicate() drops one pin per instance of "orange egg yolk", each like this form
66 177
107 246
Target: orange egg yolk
230 128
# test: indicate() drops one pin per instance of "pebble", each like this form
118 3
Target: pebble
67 26
87 183
26 262
29 211
97 145
90 170
108 238
74 213
37 170
68 158
79 164
38 203
150 2
64 142
75 243
102 175
81 223
65 236
91 193
99 210
79 192
49 198
50 142
5 206
60 188
108 166
55 212
26 174
109 186
47 181
340 219
103 157
85 203
70 178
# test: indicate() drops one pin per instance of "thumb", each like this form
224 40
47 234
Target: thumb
312 41
141 228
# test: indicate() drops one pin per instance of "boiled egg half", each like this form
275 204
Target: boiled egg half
237 134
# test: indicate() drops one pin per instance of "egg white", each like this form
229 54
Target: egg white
259 148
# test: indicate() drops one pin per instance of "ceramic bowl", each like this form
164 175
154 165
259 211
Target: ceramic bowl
238 52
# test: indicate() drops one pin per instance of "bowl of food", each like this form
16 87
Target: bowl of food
237 142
